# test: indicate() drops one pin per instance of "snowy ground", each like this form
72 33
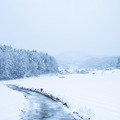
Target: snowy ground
11 103
92 95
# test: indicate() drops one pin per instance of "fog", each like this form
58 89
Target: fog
62 26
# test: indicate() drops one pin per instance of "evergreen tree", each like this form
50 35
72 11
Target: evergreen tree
19 63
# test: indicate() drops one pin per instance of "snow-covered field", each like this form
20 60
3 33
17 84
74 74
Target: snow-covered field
96 96
11 103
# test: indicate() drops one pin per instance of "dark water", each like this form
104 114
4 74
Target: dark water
42 108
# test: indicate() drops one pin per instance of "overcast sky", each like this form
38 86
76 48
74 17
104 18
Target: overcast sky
58 26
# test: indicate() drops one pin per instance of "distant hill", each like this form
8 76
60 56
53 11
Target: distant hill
84 60
100 63
71 58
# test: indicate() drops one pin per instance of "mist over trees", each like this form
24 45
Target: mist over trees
19 63
118 63
101 63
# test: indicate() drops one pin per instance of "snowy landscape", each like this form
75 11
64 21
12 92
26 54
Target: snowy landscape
59 59
33 86
95 96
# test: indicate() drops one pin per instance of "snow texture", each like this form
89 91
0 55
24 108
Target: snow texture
94 95
11 103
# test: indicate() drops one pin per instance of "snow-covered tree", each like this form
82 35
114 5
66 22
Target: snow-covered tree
19 63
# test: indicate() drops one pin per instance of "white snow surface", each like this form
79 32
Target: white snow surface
95 96
11 103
